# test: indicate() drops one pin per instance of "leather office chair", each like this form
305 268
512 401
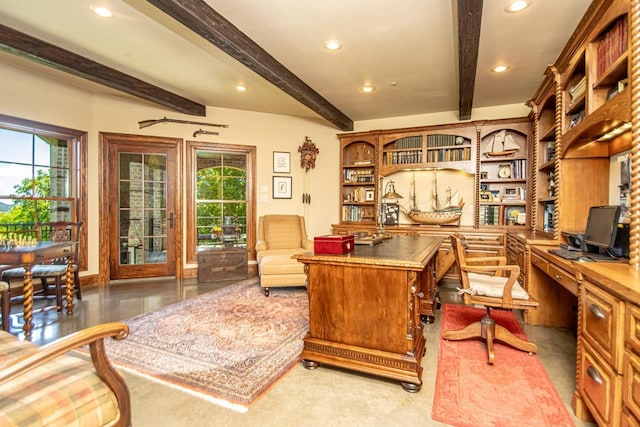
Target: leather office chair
490 282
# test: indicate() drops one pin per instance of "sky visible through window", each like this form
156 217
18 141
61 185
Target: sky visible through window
17 147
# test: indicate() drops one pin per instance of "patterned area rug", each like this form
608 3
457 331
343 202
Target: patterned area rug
228 345
515 391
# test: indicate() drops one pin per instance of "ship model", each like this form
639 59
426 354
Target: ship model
501 145
446 213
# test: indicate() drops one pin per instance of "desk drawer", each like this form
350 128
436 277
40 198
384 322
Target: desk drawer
567 280
540 263
602 317
631 382
600 387
632 327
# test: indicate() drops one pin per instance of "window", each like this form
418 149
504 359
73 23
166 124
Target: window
40 176
220 206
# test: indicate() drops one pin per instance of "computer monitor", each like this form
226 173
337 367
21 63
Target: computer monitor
602 227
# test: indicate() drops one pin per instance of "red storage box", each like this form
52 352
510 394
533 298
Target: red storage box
337 245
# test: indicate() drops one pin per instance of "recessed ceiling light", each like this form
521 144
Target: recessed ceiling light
368 88
500 69
515 6
241 88
332 44
102 11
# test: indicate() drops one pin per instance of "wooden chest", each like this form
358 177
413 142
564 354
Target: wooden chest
220 264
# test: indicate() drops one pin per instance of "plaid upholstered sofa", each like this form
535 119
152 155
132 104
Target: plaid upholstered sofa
280 237
44 386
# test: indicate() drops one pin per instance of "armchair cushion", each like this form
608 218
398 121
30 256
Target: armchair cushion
64 391
492 286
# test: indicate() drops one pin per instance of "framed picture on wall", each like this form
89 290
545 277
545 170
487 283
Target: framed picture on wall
281 187
281 162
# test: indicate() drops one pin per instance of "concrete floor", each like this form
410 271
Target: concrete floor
322 397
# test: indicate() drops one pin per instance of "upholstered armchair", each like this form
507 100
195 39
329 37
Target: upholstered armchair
279 238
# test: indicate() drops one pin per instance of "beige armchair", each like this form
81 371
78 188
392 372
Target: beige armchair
279 238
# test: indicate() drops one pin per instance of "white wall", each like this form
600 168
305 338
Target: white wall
30 96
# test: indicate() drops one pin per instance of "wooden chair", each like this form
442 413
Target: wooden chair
56 270
490 282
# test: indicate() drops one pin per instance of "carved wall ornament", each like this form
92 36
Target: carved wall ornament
308 153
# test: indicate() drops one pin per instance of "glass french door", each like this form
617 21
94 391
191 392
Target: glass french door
142 221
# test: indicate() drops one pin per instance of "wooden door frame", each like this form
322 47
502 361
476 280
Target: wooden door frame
106 138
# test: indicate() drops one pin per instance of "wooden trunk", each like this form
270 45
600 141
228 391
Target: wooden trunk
220 264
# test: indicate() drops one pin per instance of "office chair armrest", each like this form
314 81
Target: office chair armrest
500 260
512 269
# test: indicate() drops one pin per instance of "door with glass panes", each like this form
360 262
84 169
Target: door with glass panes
142 209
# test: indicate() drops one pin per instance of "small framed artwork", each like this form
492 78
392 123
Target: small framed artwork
495 195
281 162
485 195
511 194
369 195
390 213
281 187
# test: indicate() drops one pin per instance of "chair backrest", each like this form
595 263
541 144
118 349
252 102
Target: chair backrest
59 231
282 231
457 245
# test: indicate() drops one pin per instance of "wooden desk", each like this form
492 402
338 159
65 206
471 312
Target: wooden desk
364 308
27 257
553 282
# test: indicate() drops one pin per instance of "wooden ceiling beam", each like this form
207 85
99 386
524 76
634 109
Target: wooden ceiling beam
203 20
469 21
24 45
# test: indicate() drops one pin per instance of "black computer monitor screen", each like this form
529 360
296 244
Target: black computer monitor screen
602 226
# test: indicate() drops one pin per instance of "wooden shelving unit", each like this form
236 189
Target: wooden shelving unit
422 150
504 174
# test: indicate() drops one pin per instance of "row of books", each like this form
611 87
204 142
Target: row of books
500 215
403 157
359 195
358 213
449 155
518 169
578 90
441 140
358 175
612 46
408 142
492 215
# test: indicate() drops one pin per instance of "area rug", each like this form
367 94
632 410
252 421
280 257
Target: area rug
228 346
516 390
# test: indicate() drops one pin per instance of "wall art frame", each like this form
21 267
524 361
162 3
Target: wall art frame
281 162
282 187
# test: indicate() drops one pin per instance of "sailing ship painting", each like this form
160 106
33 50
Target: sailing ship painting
501 144
441 213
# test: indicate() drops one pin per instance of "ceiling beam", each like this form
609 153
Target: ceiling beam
200 18
469 20
26 46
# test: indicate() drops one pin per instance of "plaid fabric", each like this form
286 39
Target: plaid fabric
63 392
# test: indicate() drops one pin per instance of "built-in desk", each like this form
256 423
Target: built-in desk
607 298
553 282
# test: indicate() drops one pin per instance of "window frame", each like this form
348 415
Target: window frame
78 141
192 147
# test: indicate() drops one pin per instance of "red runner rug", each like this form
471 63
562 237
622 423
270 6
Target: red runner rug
515 391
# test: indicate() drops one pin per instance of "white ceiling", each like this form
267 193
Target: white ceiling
410 42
